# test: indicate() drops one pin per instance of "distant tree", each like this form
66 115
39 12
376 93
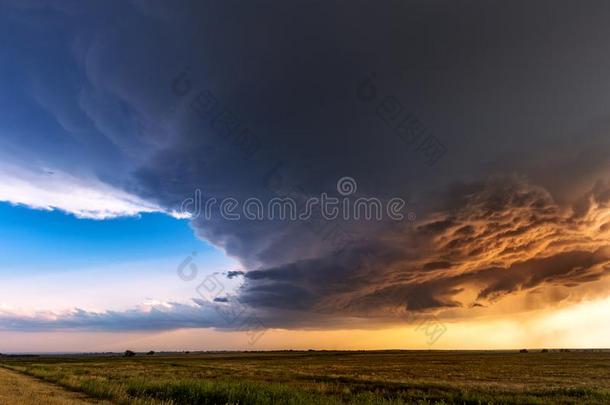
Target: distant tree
129 353
150 353
523 351
545 350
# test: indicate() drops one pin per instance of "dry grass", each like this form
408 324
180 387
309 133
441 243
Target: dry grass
18 389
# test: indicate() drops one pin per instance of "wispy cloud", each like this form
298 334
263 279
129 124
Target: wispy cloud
88 197
149 316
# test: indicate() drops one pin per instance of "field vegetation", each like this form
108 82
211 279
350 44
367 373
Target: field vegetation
388 377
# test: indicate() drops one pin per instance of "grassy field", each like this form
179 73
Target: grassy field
392 377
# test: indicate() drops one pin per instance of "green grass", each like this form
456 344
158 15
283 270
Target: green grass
332 377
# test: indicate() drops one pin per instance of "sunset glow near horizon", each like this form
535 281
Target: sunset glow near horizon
489 165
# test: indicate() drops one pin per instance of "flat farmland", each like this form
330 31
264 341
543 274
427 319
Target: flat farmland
293 377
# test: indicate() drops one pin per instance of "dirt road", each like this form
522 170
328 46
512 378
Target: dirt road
18 389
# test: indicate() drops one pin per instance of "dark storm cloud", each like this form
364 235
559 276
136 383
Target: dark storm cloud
234 273
513 89
297 94
493 238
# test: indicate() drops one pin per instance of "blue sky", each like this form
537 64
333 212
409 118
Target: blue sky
52 260
43 241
